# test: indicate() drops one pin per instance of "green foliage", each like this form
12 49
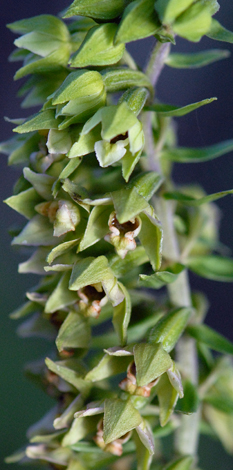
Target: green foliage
106 227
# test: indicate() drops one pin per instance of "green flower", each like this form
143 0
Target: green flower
121 134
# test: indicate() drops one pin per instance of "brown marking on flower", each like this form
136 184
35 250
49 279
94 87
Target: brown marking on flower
92 300
118 137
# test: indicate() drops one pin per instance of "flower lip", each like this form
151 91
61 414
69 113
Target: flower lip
129 226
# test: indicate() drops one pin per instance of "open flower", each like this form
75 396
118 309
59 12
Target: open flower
93 298
122 236
121 133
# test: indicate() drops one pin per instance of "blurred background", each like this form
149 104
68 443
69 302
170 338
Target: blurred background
21 403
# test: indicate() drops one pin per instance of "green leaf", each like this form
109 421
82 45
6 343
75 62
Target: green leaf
108 367
167 397
191 201
168 110
88 271
85 143
161 278
142 453
210 338
151 361
193 155
71 371
56 61
61 296
98 47
128 204
116 79
66 418
43 24
168 330
147 183
128 162
146 436
97 226
41 182
197 59
139 21
37 326
38 231
121 316
70 168
60 249
79 84
135 98
35 264
150 237
43 120
80 428
100 9
190 401
183 463
24 310
194 22
24 202
39 43
120 417
75 332
168 10
217 268
219 33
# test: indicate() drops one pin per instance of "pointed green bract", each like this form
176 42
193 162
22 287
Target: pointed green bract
42 120
74 332
100 9
61 296
167 397
119 418
71 371
121 316
168 10
189 200
151 361
219 33
98 48
161 278
168 330
42 24
24 202
139 21
107 367
151 237
97 226
116 79
78 84
38 231
128 204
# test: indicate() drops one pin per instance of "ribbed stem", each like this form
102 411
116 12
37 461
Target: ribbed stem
186 437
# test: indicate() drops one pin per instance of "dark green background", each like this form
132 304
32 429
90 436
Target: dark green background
21 403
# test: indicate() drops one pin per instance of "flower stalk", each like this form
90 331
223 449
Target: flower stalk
107 229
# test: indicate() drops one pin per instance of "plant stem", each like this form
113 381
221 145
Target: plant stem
153 71
186 437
